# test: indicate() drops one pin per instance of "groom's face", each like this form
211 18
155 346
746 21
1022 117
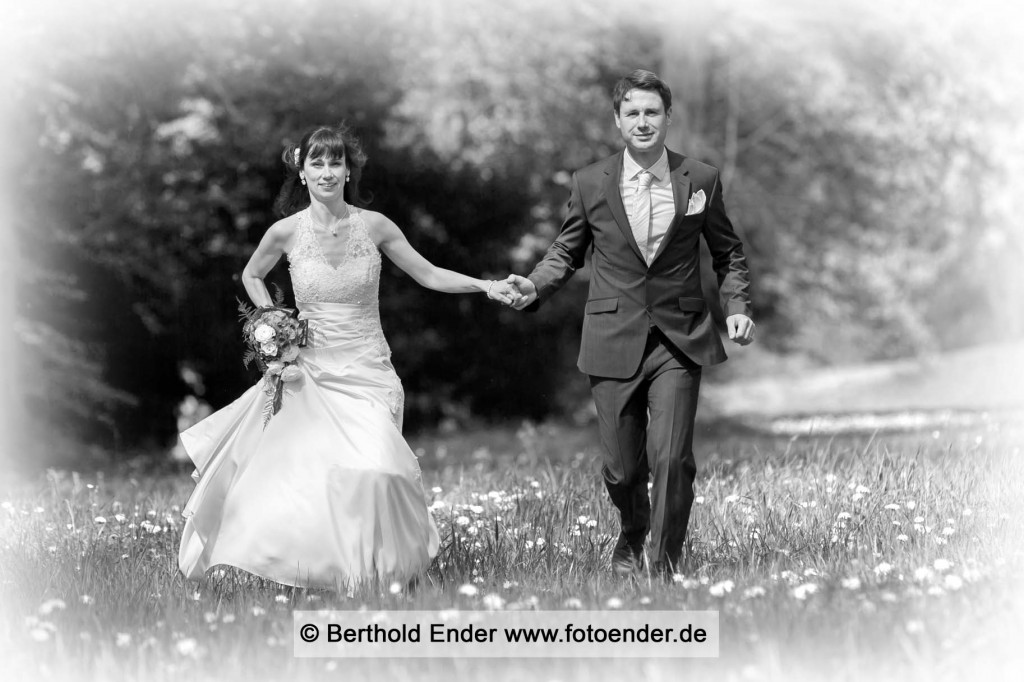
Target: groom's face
642 120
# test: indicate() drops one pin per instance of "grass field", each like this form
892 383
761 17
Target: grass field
893 557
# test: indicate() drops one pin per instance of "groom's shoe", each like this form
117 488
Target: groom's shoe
627 558
623 563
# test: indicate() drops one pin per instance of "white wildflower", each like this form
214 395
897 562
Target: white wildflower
953 582
803 591
754 592
187 646
720 589
51 605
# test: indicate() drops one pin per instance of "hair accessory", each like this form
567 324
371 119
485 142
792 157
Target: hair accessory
297 155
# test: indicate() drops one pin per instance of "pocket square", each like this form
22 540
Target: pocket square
696 203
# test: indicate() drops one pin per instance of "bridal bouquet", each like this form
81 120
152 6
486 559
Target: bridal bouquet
274 337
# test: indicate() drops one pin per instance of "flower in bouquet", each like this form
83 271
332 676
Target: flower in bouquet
273 335
263 333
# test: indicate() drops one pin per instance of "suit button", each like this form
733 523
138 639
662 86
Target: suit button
650 309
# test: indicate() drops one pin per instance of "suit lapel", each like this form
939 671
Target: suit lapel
680 194
613 195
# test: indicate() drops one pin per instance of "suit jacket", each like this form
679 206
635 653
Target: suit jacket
626 296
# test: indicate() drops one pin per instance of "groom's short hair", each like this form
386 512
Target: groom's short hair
641 79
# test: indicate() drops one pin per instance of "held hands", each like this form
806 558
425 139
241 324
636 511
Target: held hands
502 291
741 329
515 291
526 290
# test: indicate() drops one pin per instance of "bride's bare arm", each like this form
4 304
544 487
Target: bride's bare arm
263 259
395 246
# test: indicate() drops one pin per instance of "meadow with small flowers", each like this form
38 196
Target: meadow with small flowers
897 556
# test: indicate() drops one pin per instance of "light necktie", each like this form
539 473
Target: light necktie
641 222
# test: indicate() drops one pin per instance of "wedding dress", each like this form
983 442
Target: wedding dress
329 493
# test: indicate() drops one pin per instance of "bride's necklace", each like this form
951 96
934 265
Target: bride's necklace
333 227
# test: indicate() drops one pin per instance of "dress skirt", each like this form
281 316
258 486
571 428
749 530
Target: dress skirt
329 493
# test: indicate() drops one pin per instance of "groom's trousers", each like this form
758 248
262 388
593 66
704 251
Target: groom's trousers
646 426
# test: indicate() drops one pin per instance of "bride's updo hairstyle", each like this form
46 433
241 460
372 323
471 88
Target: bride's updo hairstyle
322 142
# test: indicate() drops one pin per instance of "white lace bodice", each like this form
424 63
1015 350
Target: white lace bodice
355 280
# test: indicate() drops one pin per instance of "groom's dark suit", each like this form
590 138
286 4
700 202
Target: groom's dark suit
646 334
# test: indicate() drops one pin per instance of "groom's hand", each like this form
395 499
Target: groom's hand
527 291
741 329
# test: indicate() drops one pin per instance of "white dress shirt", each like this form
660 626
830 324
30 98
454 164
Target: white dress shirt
663 205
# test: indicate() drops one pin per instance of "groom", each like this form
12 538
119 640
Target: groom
647 331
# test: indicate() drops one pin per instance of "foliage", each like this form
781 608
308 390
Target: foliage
848 164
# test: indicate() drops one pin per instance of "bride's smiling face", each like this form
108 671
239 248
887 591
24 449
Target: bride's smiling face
325 177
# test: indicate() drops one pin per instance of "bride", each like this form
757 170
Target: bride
329 493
